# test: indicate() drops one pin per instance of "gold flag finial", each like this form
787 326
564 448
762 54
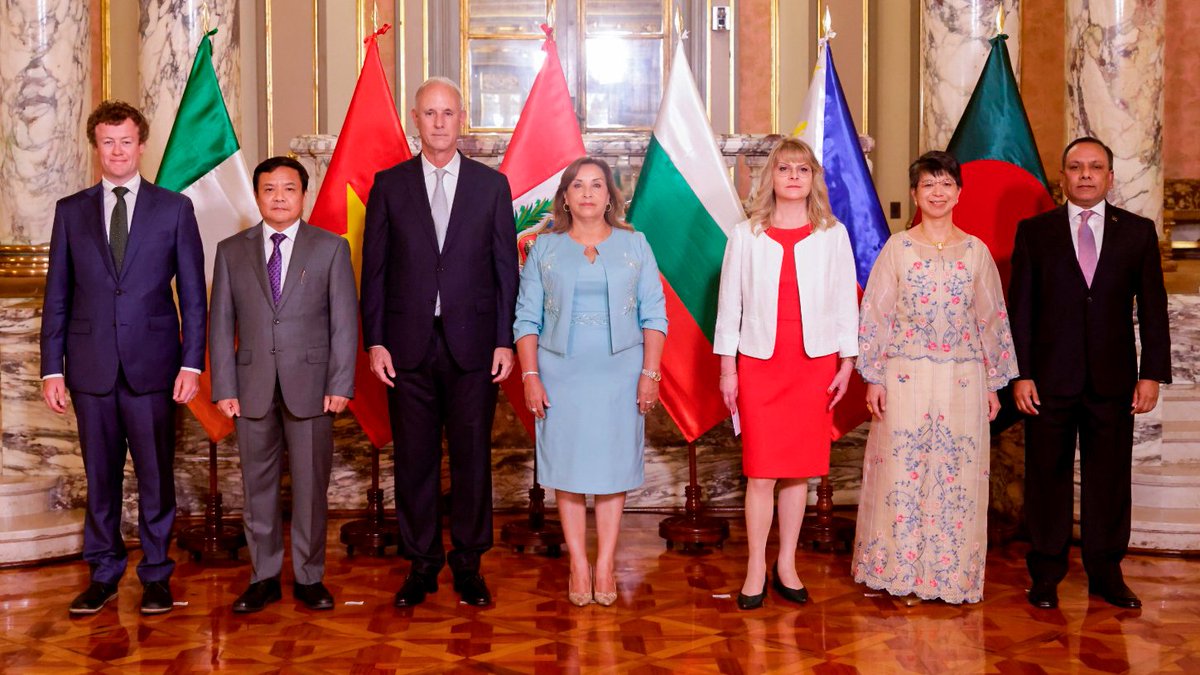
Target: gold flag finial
678 20
204 16
375 15
550 13
826 23
999 18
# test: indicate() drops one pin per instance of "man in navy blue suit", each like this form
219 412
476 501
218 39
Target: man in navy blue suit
111 334
439 284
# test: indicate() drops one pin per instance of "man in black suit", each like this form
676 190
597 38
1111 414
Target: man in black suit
113 336
1077 272
439 284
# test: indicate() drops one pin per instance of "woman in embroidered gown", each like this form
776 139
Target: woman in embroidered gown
934 347
785 330
590 328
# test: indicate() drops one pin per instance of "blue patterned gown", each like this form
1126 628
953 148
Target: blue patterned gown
934 332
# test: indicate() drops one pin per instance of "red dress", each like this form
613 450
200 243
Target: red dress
782 400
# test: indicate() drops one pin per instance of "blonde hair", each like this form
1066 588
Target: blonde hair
614 213
762 200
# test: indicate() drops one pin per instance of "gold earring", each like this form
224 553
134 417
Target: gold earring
608 207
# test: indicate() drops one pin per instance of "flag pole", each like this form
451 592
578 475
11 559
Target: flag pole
376 531
693 530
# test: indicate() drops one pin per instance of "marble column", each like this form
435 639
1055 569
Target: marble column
955 38
1114 64
45 92
170 30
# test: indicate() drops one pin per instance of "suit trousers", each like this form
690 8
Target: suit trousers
438 395
309 445
107 424
1104 428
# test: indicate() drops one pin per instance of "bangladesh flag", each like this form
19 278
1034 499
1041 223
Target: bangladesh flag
204 161
1003 180
686 206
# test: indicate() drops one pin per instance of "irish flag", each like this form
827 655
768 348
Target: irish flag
203 161
371 140
545 142
686 206
1003 180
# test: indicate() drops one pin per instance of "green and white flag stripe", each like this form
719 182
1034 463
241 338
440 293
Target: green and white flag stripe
204 161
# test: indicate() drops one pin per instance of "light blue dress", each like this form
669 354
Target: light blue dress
592 437
589 319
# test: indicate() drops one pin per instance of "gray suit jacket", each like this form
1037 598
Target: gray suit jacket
308 343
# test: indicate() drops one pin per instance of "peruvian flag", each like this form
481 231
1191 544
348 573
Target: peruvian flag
372 140
545 142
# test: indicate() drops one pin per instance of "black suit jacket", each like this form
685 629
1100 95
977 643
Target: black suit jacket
95 319
1067 335
403 271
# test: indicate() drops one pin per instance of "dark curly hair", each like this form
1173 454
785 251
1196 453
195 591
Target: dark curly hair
114 111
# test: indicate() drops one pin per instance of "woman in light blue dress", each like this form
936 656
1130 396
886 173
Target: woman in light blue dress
590 327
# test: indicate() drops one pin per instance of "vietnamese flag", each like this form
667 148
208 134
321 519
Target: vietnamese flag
372 139
545 142
1003 180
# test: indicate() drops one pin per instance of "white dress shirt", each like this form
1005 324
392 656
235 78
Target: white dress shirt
449 184
110 200
285 248
1096 222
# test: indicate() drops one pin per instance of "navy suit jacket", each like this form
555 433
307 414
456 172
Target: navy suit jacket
96 320
403 271
1067 335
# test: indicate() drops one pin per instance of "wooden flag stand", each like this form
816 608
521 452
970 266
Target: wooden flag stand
693 530
375 532
534 532
827 532
214 535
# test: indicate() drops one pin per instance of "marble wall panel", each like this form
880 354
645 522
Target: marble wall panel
955 44
1114 72
45 95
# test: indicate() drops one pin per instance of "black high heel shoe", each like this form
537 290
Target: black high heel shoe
796 595
752 601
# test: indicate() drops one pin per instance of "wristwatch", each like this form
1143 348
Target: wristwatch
652 374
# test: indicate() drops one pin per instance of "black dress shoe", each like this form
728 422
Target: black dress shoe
796 595
1043 595
473 590
414 590
752 601
94 598
156 598
258 596
1116 594
314 596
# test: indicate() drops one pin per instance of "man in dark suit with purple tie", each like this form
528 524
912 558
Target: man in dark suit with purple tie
439 284
111 335
1078 272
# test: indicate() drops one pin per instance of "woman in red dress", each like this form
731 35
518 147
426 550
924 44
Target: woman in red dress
787 317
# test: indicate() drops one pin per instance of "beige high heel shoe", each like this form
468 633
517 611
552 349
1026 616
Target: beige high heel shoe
581 599
604 599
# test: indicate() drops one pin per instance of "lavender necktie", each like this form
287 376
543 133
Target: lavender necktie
1087 247
275 267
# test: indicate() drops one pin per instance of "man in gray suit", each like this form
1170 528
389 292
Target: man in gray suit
283 335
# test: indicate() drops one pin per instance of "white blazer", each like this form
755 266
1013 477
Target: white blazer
748 304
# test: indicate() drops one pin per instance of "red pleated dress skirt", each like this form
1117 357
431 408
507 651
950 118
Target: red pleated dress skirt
782 400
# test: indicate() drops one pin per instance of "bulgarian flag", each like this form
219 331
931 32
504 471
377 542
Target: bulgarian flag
203 161
1003 179
371 140
828 129
686 207
545 142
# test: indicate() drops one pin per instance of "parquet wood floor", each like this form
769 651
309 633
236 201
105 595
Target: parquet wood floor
676 614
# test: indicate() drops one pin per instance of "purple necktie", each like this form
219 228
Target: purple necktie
275 267
1087 247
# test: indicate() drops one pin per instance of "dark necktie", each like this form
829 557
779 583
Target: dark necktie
118 227
275 267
